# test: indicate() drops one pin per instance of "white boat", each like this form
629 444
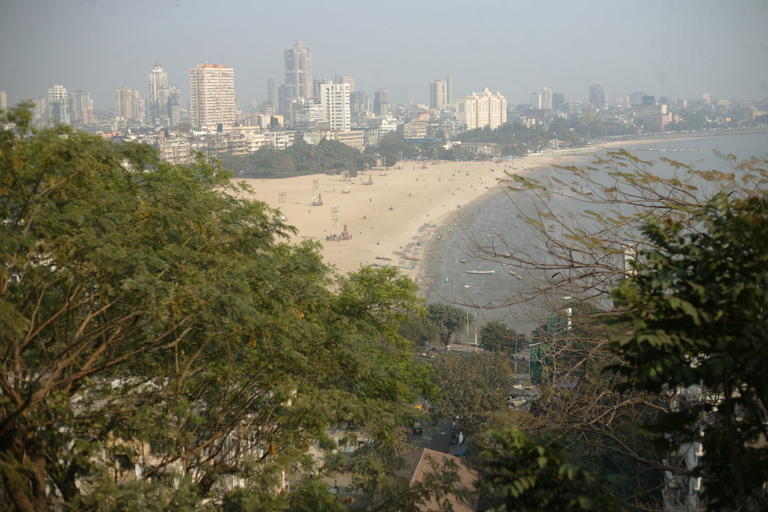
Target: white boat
481 271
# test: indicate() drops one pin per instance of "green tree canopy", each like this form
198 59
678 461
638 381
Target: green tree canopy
699 332
158 332
448 318
497 336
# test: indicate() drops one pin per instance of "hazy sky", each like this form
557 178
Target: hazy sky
676 48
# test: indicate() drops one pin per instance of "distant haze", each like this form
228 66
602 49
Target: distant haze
673 48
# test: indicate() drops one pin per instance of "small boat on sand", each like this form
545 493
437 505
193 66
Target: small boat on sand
481 271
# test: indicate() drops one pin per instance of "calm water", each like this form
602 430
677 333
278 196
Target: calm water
495 223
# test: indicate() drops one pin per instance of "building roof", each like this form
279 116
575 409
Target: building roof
422 462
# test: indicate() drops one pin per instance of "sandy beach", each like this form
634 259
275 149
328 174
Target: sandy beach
393 220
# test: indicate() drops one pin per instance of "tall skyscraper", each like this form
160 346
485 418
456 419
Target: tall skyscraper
334 99
81 107
58 105
359 103
481 110
124 103
597 96
174 105
546 98
3 101
449 89
271 90
438 94
381 103
298 75
212 96
157 99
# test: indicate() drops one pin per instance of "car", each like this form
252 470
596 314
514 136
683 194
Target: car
417 428
447 347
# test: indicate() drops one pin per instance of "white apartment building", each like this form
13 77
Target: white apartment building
3 101
212 96
58 104
481 110
334 99
306 114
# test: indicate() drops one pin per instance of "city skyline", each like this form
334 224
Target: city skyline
682 50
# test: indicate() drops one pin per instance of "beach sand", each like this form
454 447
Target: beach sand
394 220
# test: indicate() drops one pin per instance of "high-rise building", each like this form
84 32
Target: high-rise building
334 99
138 107
298 75
346 79
271 90
438 94
174 105
81 107
359 103
212 96
597 96
306 113
536 101
157 98
481 110
449 89
558 100
3 101
546 98
124 103
58 105
381 103
706 98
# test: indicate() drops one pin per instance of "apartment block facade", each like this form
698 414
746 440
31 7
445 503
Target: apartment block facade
212 96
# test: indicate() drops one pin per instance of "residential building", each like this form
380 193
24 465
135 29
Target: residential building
124 103
306 113
334 99
449 89
438 94
346 79
139 107
536 101
359 103
381 103
174 105
3 101
58 105
81 107
481 110
596 96
546 98
558 100
298 76
212 96
157 97
419 464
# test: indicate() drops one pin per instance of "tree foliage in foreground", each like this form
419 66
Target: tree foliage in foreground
473 387
689 351
497 336
160 338
699 334
530 475
448 318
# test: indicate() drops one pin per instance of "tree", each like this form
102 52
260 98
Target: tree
526 474
651 232
697 308
420 330
472 388
157 332
448 318
497 336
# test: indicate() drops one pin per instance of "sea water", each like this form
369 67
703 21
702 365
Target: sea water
495 224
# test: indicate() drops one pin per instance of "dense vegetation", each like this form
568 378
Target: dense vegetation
297 160
160 338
